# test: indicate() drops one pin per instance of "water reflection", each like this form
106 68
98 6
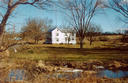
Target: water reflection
19 74
112 74
65 75
16 75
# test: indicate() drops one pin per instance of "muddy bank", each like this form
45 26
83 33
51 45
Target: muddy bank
91 65
38 70
51 66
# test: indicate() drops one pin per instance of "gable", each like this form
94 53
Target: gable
53 29
65 31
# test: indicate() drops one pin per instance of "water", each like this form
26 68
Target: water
65 75
101 73
112 74
19 74
16 75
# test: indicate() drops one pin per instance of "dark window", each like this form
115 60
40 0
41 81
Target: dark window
57 34
72 34
73 38
66 39
57 39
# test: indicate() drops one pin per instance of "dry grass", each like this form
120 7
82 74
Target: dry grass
27 56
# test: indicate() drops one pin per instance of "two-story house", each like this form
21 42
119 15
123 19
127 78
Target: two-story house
59 36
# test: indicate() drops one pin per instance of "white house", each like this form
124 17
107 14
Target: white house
58 36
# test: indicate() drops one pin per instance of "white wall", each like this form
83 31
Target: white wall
69 35
73 37
55 37
61 37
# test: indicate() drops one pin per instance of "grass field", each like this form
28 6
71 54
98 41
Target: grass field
71 52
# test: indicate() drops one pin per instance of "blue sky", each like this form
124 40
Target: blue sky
108 20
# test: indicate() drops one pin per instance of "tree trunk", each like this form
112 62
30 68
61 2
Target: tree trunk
1 38
3 24
81 44
90 43
1 35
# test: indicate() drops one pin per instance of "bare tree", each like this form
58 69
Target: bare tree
10 38
7 7
93 32
80 13
47 25
120 6
33 29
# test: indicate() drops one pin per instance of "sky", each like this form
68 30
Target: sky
108 19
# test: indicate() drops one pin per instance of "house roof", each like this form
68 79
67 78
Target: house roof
64 30
50 30
67 30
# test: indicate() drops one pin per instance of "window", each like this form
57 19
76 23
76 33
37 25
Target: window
73 38
57 39
72 34
57 34
66 39
65 34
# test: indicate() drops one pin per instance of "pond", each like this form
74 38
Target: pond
19 74
112 74
16 75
